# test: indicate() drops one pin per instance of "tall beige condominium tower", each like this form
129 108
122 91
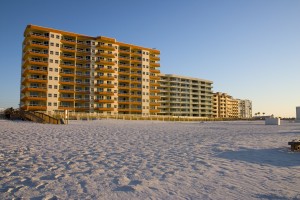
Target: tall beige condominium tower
225 106
185 96
69 71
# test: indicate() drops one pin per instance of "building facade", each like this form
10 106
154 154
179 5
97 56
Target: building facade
225 106
69 71
185 96
245 108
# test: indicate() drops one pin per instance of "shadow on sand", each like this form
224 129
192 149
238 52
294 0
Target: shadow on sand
280 157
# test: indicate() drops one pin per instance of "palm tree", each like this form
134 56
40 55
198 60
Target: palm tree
263 113
258 113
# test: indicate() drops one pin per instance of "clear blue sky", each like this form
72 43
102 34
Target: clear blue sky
250 49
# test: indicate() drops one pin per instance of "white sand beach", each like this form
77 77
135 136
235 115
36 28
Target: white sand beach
115 159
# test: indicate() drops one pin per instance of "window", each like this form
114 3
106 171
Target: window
52 35
57 36
51 44
56 69
57 45
49 104
56 61
50 77
55 86
55 104
55 95
57 53
51 52
51 60
49 95
56 78
50 69
50 86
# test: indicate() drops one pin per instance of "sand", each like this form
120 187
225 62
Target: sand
115 159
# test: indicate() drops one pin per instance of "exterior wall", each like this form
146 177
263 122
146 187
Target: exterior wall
87 74
185 96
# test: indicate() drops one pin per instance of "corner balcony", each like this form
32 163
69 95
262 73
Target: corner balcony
37 107
34 89
34 80
34 98
34 71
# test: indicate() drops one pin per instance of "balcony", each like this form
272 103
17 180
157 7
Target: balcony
154 84
136 89
155 97
154 90
82 108
135 61
122 66
105 85
34 107
105 62
136 81
136 74
34 71
123 58
38 36
67 57
67 99
155 71
34 89
124 80
35 53
104 93
34 80
82 75
102 77
123 109
154 110
69 90
82 83
66 82
124 95
34 98
82 99
152 64
155 78
68 41
104 101
104 70
154 104
67 74
66 107
37 44
67 66
82 91
68 49
35 62
106 55
83 44
104 109
154 58
106 47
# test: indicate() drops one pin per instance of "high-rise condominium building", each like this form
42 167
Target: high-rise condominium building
245 108
225 106
69 71
185 96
